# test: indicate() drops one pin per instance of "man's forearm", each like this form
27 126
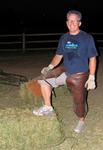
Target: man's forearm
56 60
90 83
92 65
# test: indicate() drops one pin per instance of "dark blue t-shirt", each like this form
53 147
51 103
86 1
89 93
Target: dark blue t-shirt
76 50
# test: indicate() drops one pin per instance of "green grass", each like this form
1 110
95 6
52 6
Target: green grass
20 129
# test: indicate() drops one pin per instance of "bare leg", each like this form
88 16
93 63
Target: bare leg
46 93
82 119
46 109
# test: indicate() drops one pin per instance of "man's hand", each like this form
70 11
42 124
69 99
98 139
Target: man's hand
45 70
90 83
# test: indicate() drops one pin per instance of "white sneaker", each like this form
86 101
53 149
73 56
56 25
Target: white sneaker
44 110
80 126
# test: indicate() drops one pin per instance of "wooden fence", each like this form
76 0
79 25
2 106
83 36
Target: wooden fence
35 42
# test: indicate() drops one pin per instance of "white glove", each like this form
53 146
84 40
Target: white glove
45 70
90 83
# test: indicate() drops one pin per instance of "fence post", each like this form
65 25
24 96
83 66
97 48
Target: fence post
23 42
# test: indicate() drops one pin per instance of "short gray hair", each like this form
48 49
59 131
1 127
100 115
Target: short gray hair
78 13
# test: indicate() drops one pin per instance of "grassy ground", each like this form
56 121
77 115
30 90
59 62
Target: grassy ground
20 130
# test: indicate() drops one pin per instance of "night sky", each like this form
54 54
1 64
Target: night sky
47 15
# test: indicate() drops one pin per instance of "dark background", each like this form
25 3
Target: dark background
40 16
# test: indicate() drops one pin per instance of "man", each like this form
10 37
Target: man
78 51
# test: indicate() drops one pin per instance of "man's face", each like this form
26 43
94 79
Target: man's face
73 23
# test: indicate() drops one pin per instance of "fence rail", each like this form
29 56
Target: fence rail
31 42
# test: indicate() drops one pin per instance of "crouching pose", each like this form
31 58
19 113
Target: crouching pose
78 51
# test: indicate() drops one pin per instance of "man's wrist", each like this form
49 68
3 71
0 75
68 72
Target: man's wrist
92 77
51 66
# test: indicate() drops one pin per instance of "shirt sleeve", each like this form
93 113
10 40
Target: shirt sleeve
92 51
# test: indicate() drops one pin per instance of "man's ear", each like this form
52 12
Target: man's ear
67 23
80 23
